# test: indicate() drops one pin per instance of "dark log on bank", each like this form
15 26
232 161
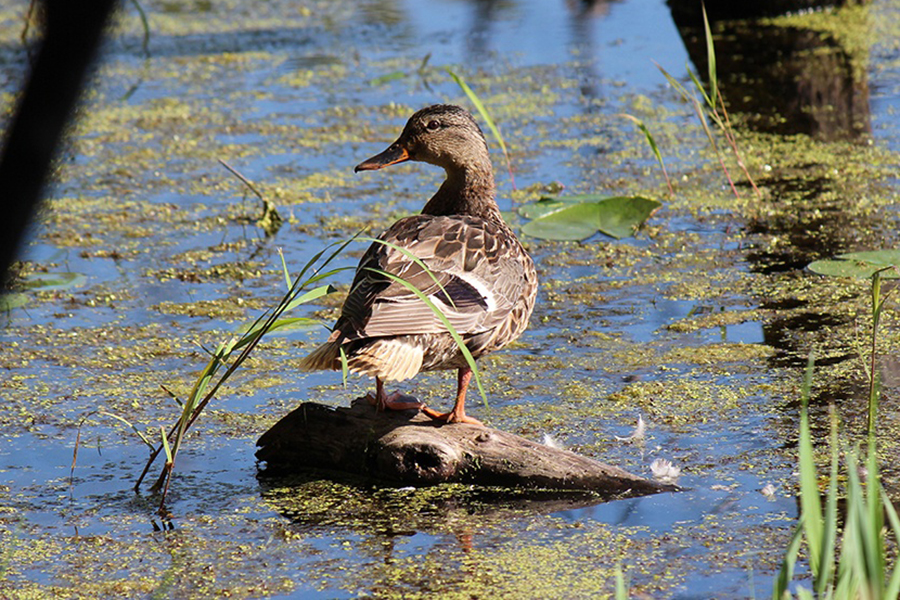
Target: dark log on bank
408 448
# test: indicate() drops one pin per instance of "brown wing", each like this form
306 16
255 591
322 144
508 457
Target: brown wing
473 273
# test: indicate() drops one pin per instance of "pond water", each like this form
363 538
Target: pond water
700 324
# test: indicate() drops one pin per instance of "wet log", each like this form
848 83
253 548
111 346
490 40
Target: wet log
408 448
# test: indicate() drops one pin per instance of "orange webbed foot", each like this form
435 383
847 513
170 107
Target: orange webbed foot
453 416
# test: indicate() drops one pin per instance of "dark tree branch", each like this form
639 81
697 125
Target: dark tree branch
73 31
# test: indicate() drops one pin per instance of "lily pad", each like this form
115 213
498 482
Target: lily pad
53 281
577 218
860 265
11 301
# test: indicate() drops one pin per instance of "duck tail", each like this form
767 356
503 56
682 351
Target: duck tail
391 360
324 358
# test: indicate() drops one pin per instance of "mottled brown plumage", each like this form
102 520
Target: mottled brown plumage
478 274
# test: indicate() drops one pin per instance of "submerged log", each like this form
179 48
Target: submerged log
408 448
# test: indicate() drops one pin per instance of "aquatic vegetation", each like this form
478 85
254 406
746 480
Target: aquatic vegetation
860 571
579 217
714 110
269 221
202 392
860 265
653 146
482 110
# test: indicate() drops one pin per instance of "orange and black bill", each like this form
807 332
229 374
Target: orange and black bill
396 153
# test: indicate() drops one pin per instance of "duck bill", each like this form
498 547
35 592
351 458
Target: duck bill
395 153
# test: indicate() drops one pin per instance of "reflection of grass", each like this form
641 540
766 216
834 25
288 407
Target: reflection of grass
861 569
714 110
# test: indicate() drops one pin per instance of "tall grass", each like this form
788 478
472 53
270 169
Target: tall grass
652 143
221 366
713 109
483 111
223 361
860 570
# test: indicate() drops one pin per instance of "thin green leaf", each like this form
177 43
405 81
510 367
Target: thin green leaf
473 97
786 573
653 147
856 530
139 433
711 59
825 576
345 366
621 586
874 526
700 88
165 442
470 360
682 91
804 594
810 505
284 269
408 254
313 294
893 585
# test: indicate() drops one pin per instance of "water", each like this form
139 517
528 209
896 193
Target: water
676 325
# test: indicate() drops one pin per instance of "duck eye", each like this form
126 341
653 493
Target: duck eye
433 125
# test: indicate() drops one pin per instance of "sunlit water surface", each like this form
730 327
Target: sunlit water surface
720 538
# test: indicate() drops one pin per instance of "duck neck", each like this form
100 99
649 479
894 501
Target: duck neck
466 191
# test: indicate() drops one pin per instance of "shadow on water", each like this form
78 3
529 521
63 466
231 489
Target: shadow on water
326 499
790 77
783 79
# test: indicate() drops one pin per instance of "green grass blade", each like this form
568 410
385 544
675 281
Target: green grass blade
874 526
711 59
786 573
470 360
825 577
810 505
640 124
855 530
476 101
165 442
893 585
139 433
345 366
413 258
313 294
697 84
621 586
284 269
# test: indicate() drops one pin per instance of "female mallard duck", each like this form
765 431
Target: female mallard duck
478 274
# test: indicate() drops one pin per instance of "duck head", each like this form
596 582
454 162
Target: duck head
444 135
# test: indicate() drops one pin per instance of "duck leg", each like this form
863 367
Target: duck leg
395 401
458 414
